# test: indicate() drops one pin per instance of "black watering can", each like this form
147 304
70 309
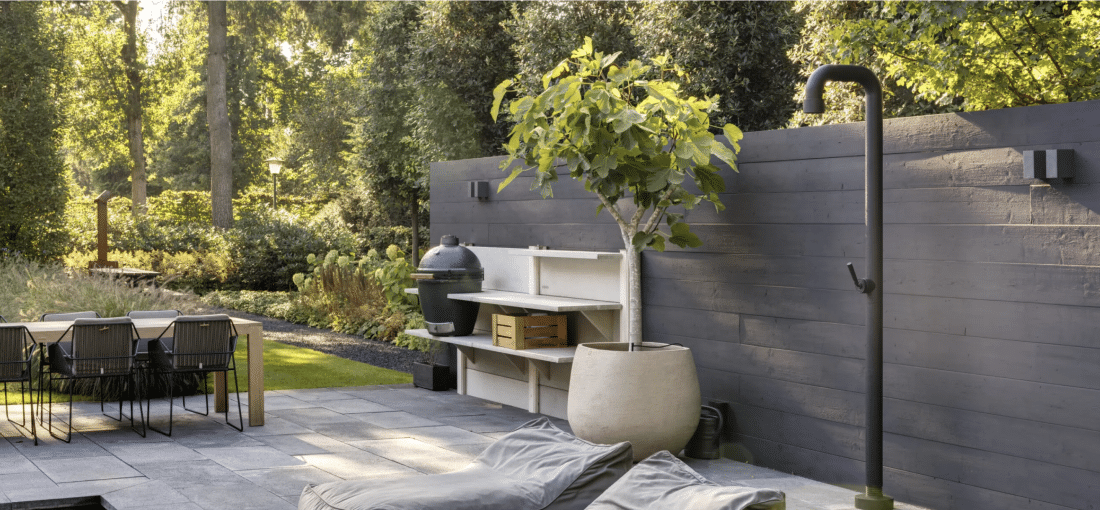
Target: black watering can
707 440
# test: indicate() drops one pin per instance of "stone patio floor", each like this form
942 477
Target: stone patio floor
310 436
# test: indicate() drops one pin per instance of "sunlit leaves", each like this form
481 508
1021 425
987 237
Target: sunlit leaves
624 131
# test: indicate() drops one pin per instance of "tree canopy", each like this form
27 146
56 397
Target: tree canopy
359 97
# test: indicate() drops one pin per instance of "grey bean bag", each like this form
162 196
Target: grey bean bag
538 466
663 482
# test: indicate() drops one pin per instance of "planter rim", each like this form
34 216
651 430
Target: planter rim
625 346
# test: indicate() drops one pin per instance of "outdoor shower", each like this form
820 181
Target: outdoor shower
872 499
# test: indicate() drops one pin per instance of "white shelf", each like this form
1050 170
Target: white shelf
567 254
536 301
485 343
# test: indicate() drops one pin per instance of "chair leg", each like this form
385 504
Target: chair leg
205 394
69 435
135 393
30 393
237 390
25 392
170 408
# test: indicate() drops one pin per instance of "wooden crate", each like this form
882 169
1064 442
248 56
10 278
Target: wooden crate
517 331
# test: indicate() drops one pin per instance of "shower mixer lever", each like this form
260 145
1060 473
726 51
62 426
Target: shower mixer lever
865 285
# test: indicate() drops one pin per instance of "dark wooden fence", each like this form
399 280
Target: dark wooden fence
992 300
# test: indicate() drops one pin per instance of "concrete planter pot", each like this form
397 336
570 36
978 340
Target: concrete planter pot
648 397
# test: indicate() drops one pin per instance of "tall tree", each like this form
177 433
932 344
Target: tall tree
737 50
991 54
459 52
547 33
217 117
132 67
33 188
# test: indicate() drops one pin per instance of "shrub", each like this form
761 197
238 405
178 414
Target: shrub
198 272
32 288
267 249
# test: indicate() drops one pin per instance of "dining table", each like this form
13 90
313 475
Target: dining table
45 332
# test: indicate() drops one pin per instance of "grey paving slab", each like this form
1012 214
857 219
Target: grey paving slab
396 420
29 480
486 422
217 436
249 457
274 425
86 469
358 464
315 395
277 402
151 493
142 453
288 481
311 436
354 405
182 475
446 435
420 456
12 460
50 448
242 496
306 444
72 490
307 416
356 431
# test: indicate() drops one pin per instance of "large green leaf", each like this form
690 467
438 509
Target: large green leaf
498 96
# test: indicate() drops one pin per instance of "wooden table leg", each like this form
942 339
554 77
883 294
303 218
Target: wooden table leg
256 377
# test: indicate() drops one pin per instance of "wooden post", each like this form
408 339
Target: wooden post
101 232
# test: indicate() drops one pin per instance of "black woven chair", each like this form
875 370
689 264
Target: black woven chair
100 349
143 344
70 316
17 349
202 344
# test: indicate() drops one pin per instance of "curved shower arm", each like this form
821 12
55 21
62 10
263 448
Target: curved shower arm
815 87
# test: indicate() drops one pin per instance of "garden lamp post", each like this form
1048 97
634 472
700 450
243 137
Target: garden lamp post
872 499
275 165
416 224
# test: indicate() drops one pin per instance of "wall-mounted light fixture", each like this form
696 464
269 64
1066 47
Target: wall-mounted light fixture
1049 164
479 190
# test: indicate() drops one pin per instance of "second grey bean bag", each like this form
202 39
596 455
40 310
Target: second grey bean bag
538 466
664 482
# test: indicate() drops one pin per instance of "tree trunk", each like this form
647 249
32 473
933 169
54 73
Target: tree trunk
634 270
133 104
217 117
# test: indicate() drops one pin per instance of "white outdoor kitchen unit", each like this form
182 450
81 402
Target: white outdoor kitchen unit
589 287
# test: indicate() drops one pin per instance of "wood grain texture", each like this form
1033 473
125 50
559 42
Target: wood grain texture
1042 402
1076 488
992 294
1053 444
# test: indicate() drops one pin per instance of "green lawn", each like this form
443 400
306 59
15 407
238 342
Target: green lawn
286 367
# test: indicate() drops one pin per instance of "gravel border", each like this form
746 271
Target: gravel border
355 348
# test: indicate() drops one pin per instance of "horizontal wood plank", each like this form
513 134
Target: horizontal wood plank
802 399
1053 444
804 462
1011 359
1048 403
1008 320
1049 483
839 439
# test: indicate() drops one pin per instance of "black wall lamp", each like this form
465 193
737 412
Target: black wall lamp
1049 164
479 190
